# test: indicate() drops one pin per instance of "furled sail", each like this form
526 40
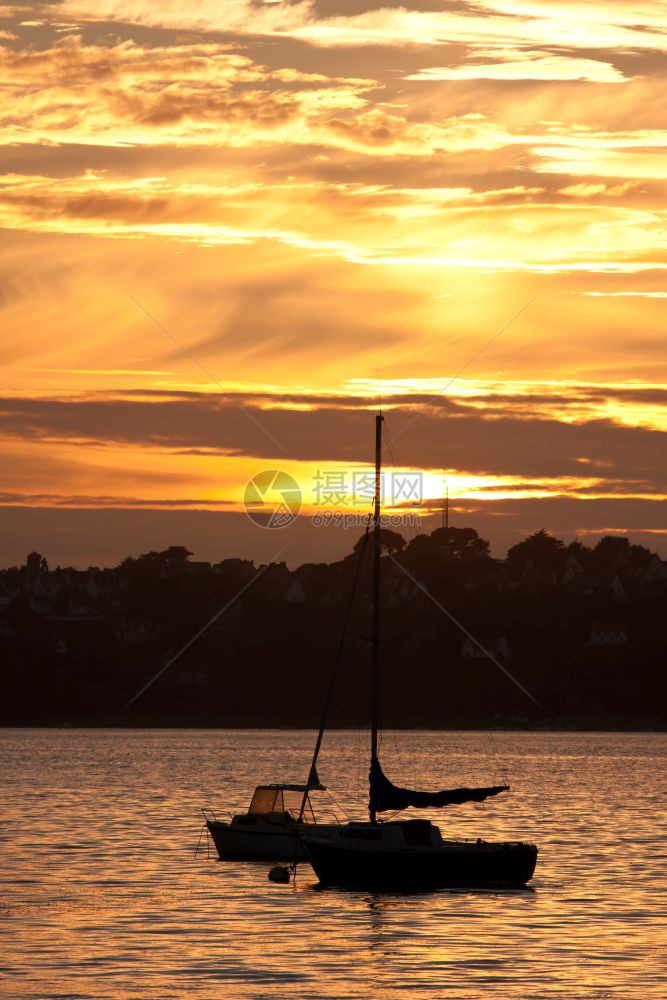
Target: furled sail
385 795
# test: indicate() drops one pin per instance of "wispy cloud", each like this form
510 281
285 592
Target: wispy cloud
511 64
608 239
626 295
570 22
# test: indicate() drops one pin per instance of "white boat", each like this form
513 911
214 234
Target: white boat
409 853
269 830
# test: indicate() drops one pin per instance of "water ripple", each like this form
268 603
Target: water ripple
103 898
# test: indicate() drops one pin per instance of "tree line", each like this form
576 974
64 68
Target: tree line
581 627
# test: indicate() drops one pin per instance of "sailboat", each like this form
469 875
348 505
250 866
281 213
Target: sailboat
408 853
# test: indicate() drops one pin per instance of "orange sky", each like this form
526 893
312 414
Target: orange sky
323 203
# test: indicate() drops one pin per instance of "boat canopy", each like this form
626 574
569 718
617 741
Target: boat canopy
384 795
272 798
278 798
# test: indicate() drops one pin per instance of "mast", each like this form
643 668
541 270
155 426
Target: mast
313 780
445 500
375 669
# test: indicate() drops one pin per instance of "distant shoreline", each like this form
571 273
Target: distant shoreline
549 726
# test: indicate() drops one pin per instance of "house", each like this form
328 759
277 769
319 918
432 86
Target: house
91 583
652 571
107 585
230 619
401 591
79 606
197 567
274 572
242 568
45 586
40 606
607 634
137 631
497 647
295 594
572 570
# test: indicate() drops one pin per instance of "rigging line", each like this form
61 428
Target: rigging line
499 765
394 462
224 392
501 768
339 805
201 631
337 662
413 529
468 364
389 443
451 617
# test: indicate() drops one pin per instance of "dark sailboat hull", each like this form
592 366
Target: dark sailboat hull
453 865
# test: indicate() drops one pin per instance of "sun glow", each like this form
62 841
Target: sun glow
204 227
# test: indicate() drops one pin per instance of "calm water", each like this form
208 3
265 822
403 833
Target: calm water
103 896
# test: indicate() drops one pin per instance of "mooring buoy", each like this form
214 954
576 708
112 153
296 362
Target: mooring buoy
280 873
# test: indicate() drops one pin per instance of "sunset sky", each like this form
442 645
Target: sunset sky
229 227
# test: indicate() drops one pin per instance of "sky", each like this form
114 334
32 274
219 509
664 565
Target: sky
230 229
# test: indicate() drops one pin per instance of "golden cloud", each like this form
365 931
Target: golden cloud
304 216
502 63
572 23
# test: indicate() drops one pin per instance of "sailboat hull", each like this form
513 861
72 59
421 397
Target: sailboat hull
259 844
263 841
451 865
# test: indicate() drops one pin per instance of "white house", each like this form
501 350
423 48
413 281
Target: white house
607 634
137 631
654 569
295 594
498 647
572 570
40 606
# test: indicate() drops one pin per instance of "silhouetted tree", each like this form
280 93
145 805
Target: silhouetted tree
36 563
449 556
615 552
540 550
390 542
612 552
579 550
174 557
449 545
460 544
640 555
